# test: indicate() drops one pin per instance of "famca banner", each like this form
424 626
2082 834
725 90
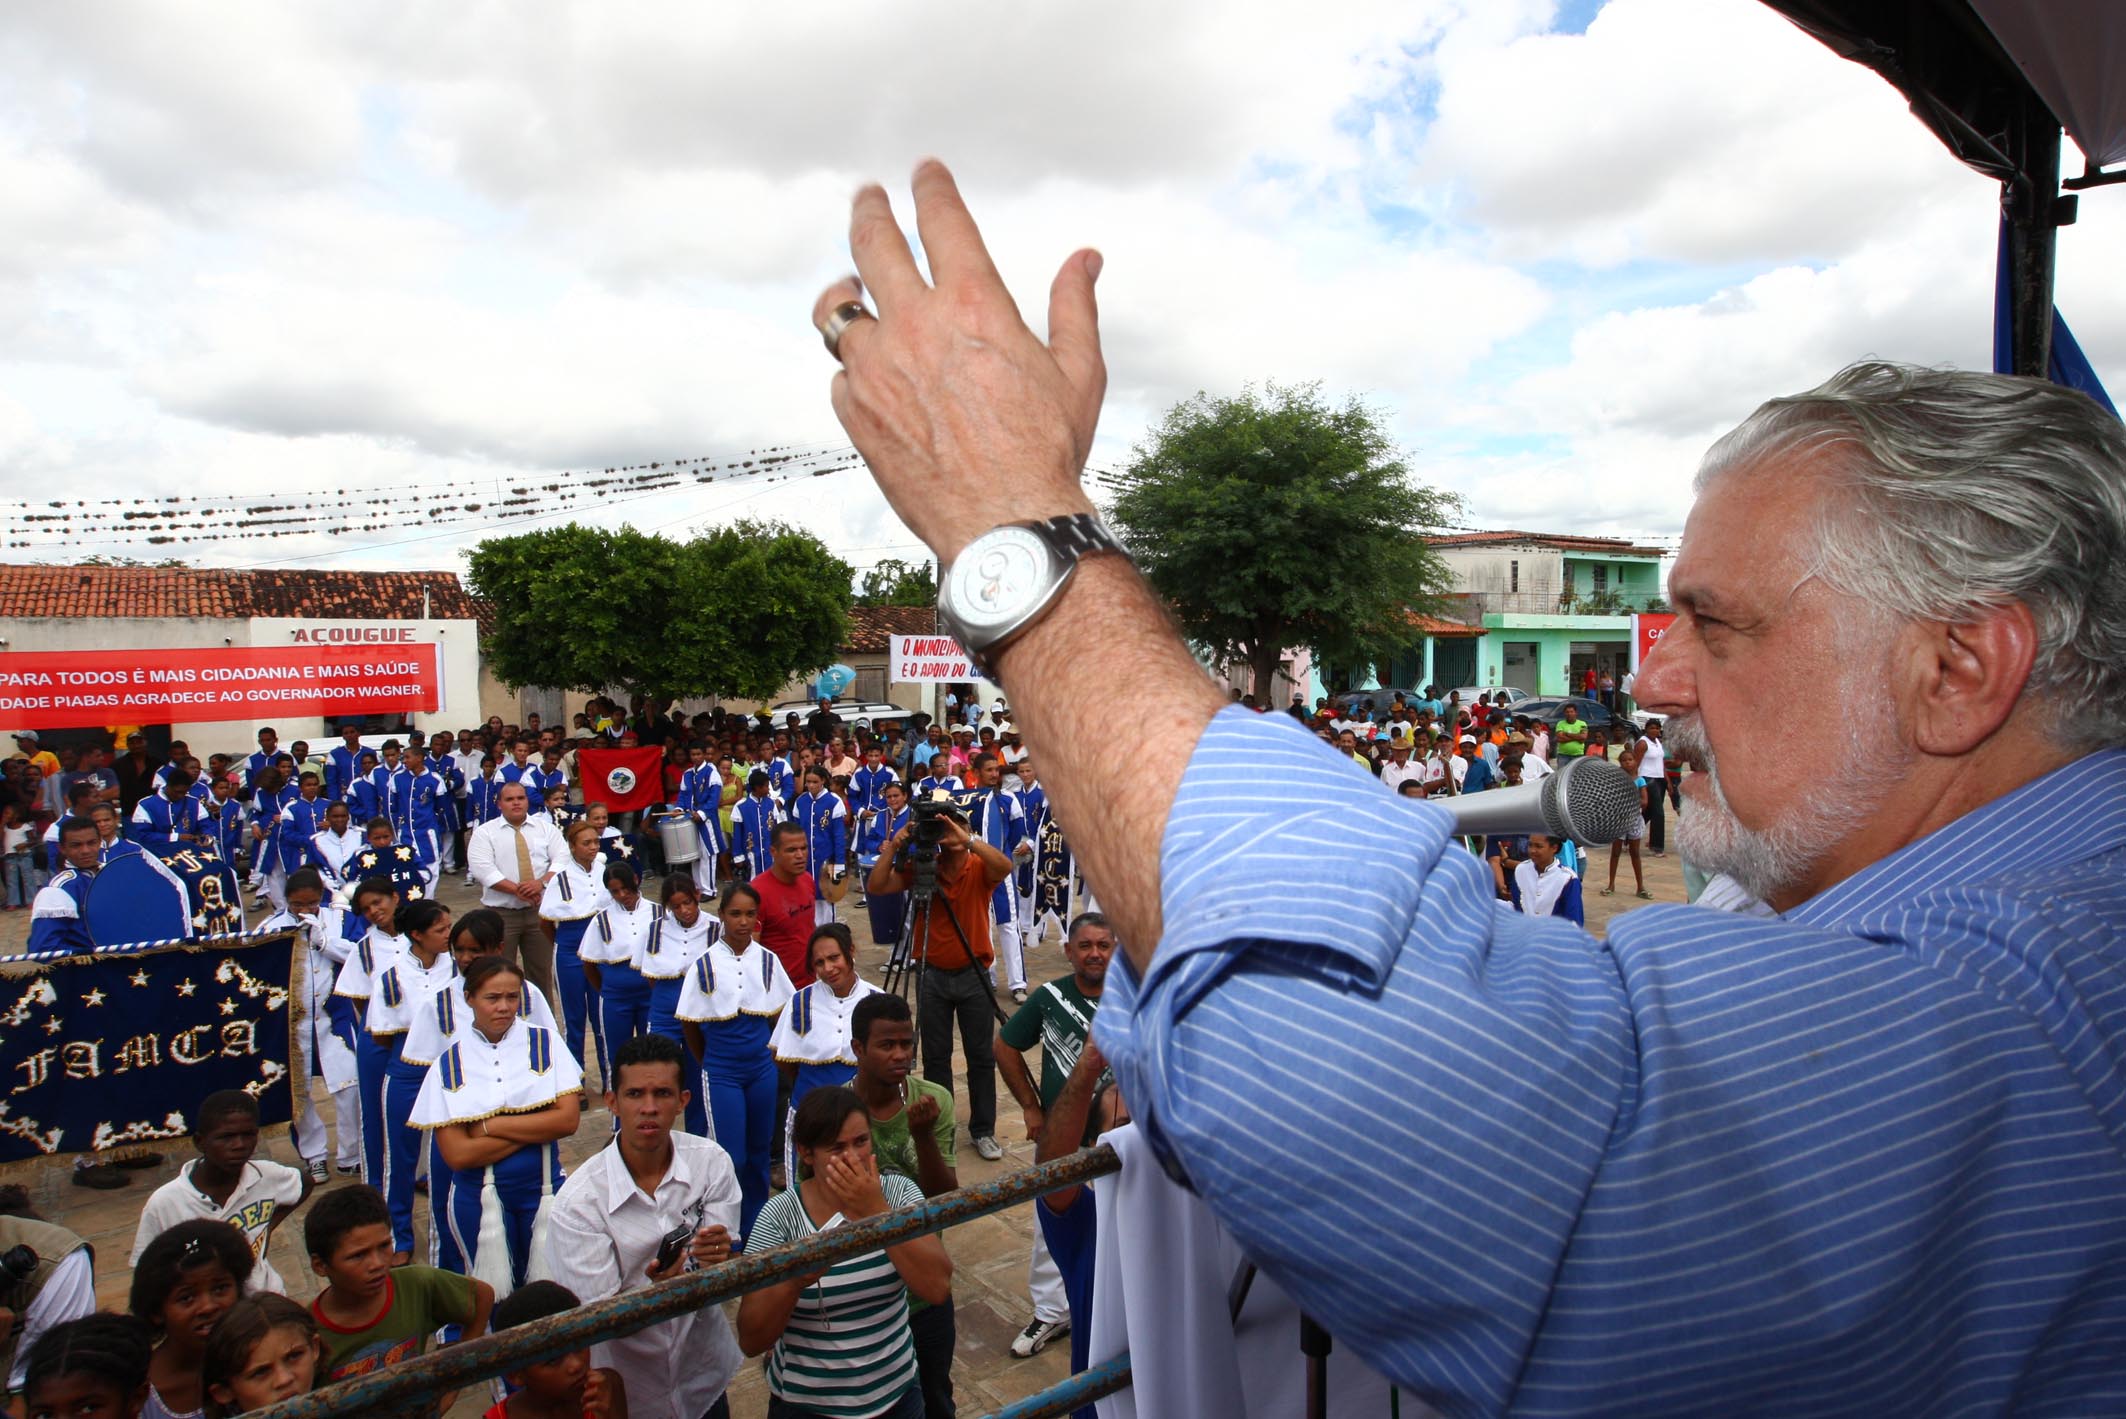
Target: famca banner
118 1048
75 689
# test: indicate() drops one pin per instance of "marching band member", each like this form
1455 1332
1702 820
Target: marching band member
727 1008
324 1033
575 894
437 1021
56 922
549 775
675 940
385 856
619 993
365 796
444 765
867 786
498 1102
344 764
257 763
995 816
819 810
940 779
171 814
399 989
268 869
613 845
415 794
225 819
519 768
376 901
811 1042
333 848
301 819
753 825
1033 807
701 798
1544 886
886 908
483 801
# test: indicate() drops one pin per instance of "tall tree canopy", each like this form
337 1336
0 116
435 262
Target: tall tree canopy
736 612
1271 520
894 583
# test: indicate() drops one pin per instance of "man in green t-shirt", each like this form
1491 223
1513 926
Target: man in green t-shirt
1572 733
912 1129
1060 1016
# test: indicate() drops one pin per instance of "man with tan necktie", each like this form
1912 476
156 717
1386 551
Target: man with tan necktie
511 857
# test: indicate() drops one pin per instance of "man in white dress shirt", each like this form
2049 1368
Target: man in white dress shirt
511 857
614 1213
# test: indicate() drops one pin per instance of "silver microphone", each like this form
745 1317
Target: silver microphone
1587 800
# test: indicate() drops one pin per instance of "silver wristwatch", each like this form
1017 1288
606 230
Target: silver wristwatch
1007 578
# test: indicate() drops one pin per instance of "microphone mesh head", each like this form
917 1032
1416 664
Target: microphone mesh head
1590 801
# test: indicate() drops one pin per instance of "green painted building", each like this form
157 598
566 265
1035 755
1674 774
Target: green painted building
1532 610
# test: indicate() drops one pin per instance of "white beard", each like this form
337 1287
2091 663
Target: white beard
1770 862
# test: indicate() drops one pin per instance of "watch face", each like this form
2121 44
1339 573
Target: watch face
1000 576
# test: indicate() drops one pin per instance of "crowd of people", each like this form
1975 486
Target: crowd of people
760 1089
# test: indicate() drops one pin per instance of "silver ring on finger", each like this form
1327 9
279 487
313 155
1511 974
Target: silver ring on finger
838 322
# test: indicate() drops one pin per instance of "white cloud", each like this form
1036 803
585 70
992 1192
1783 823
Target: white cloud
285 247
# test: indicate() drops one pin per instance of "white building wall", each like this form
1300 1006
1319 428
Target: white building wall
460 646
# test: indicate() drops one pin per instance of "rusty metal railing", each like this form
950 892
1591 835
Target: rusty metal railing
411 1389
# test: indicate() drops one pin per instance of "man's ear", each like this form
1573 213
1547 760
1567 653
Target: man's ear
1969 676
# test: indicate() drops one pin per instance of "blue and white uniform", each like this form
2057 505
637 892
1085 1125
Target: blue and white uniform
437 1022
887 908
813 1034
367 958
623 999
366 796
332 854
496 1214
413 800
514 772
667 952
1553 892
342 765
225 827
735 997
995 817
399 989
267 865
156 820
753 823
574 895
324 1036
539 780
56 922
301 819
825 819
701 798
1033 809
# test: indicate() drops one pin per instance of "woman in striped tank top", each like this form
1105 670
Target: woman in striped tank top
840 1338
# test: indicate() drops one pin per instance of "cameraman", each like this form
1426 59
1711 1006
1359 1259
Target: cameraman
50 1281
955 957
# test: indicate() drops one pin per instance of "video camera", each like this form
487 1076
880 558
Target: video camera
926 833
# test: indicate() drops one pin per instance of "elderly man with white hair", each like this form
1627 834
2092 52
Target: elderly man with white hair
1864 1156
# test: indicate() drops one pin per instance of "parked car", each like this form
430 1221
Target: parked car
1381 695
1550 711
872 712
1470 692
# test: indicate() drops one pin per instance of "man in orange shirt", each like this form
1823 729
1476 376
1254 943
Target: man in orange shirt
955 956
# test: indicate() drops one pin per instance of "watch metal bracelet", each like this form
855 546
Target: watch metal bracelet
1082 533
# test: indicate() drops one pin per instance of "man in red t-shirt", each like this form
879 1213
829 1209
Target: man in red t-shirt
791 903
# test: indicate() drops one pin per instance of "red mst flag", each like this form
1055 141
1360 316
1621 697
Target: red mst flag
624 780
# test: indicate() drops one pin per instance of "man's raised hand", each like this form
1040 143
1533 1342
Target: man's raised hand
965 417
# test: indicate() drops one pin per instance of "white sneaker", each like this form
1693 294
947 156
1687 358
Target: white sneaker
991 1150
1032 1340
1019 994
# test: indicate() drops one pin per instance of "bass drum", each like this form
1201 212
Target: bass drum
135 898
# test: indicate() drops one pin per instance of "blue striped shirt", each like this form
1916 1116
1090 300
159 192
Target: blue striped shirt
1868 1158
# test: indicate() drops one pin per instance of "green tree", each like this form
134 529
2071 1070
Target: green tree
737 612
894 583
1271 520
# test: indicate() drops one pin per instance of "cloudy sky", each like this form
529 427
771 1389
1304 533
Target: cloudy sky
290 248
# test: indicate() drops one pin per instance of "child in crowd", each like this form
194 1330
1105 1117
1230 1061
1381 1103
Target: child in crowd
184 1282
371 1313
92 1368
226 1183
265 1350
567 1388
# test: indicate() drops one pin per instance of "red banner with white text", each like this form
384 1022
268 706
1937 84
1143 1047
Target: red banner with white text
69 689
1646 631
